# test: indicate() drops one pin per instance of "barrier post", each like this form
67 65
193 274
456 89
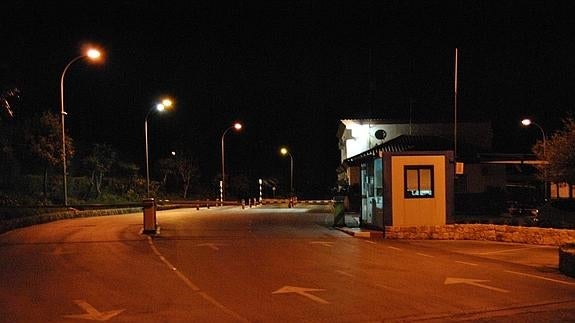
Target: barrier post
149 208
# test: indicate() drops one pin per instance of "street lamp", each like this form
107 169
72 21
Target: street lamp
527 123
237 126
92 54
284 151
160 107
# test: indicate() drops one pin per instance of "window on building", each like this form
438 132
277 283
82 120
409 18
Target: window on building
418 181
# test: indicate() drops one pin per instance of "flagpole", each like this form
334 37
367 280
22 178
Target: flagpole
455 107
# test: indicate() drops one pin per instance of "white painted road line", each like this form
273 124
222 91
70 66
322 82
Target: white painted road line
541 277
473 282
466 263
303 291
192 286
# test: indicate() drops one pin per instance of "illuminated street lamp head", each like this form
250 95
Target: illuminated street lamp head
526 122
93 54
284 151
165 104
238 126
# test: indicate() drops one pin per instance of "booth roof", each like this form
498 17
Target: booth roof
403 143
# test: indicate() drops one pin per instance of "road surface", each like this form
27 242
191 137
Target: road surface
268 264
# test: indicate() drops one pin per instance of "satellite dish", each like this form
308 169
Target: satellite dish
380 134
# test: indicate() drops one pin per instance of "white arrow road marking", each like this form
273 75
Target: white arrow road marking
323 243
213 246
473 282
303 292
92 313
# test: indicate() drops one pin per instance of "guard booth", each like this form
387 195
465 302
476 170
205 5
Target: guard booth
404 186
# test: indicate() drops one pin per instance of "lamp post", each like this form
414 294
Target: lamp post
527 123
92 54
160 107
284 151
237 126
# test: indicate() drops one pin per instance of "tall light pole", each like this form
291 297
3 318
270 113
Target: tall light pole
284 151
160 107
527 123
237 126
92 54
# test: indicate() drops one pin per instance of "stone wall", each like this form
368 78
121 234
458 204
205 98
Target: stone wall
486 232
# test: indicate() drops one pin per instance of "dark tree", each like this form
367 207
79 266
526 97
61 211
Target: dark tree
99 162
559 152
43 136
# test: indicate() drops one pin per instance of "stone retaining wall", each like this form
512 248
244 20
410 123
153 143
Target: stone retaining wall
487 232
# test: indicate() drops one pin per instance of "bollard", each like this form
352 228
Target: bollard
150 224
338 211
243 204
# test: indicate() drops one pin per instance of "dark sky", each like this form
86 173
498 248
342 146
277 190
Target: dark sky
289 70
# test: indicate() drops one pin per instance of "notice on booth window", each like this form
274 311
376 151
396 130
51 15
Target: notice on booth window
459 168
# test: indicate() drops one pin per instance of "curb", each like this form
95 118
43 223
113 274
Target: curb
361 233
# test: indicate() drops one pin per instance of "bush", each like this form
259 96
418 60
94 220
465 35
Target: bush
557 214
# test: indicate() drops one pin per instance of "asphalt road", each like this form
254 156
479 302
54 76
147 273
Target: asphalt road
268 264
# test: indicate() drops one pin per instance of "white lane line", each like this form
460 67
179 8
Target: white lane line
302 291
424 255
345 273
191 285
541 277
505 250
367 241
466 263
473 282
394 248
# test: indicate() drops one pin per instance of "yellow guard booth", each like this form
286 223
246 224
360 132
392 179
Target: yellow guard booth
420 188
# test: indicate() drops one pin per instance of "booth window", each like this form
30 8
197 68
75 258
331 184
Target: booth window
418 181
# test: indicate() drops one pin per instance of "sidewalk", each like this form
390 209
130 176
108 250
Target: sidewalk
352 228
545 258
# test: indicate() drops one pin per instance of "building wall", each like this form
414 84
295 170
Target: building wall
481 176
418 211
358 135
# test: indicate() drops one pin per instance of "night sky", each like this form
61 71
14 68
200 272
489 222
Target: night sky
288 70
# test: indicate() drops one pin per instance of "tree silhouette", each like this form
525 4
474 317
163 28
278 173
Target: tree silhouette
99 162
43 137
559 152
